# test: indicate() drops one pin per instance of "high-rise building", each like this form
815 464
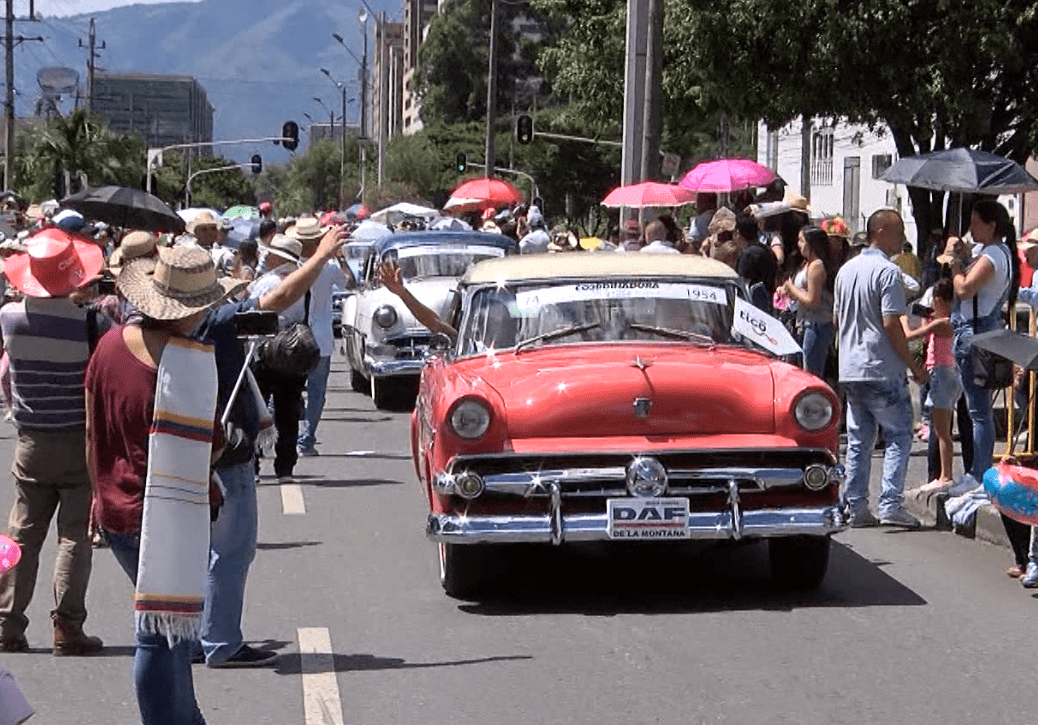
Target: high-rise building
387 107
164 110
417 15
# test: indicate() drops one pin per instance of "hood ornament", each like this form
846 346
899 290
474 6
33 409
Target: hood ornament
642 406
642 365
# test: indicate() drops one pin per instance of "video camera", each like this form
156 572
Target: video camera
256 324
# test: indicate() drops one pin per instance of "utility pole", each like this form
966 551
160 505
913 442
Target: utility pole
92 55
650 160
9 43
363 17
492 91
383 92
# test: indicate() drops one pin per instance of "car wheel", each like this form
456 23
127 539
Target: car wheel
799 562
381 393
463 570
358 382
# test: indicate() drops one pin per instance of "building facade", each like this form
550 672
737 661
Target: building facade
417 16
163 110
387 110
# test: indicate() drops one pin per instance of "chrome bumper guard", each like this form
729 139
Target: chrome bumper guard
732 524
388 368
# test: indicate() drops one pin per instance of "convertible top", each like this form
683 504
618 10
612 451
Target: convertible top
424 238
595 264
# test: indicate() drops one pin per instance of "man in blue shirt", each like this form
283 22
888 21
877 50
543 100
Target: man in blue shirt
233 534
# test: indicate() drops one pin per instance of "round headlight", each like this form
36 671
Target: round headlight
385 316
646 478
813 411
470 419
816 477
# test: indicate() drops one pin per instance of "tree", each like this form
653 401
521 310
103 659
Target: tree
217 190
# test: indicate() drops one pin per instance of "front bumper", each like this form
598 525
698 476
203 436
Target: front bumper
398 357
730 524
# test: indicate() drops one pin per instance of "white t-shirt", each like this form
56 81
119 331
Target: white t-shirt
331 276
989 295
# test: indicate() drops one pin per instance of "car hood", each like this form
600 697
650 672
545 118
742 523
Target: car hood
601 390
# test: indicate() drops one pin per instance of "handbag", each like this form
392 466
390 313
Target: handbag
293 352
990 371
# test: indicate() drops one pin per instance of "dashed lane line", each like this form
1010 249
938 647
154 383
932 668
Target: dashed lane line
321 703
292 503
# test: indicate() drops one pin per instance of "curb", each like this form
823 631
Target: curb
928 507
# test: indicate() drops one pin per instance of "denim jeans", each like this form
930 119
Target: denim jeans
978 400
162 676
232 547
873 405
316 389
818 338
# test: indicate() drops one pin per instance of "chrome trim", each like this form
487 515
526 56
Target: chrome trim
556 514
718 525
388 368
646 477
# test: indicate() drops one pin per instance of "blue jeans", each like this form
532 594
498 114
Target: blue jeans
232 547
978 400
818 338
316 389
162 676
873 405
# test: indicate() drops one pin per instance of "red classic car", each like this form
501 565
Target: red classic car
623 397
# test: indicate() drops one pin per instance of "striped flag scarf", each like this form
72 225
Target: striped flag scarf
174 552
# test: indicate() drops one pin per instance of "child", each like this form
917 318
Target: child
945 385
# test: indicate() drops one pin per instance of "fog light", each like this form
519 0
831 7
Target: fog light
443 483
816 477
468 485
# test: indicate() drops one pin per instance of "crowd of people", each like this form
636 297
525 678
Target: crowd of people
123 370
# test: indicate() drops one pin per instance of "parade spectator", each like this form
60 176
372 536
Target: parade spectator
874 355
143 378
536 241
909 263
45 338
699 230
233 534
309 233
811 294
945 387
839 241
246 260
756 265
632 240
266 210
721 244
656 238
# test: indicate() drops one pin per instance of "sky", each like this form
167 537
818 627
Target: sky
52 8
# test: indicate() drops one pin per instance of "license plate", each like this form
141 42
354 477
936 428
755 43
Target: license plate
647 518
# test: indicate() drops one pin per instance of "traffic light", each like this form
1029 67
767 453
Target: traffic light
290 135
461 163
524 129
257 164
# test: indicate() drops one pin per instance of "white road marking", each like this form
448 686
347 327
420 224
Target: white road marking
321 703
359 454
292 503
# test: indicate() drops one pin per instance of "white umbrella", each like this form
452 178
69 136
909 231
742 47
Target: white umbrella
450 224
393 214
370 231
188 215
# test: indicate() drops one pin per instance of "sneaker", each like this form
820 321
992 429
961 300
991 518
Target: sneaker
863 519
1030 578
309 452
964 484
900 517
14 644
936 485
249 657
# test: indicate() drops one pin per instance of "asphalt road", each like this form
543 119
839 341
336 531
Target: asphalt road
915 627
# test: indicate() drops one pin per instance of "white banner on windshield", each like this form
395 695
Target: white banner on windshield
474 249
763 329
619 290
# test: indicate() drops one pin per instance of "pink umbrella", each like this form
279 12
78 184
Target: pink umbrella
649 193
727 175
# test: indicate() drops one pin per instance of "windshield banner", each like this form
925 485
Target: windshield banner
434 250
763 329
619 290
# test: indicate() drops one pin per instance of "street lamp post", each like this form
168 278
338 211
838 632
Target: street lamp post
363 17
331 118
342 145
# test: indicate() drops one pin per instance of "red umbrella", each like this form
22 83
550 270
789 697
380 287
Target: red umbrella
727 175
649 193
490 192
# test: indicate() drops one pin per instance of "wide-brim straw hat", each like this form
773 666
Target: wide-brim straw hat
180 283
307 229
202 220
54 264
286 248
133 246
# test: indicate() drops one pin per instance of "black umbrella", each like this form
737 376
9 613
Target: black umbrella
1013 346
125 207
963 171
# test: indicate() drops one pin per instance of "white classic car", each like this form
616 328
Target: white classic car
384 344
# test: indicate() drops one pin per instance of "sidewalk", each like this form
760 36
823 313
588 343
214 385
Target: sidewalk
928 507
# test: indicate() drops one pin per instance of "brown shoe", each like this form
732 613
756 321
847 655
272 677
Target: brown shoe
14 644
70 640
1015 572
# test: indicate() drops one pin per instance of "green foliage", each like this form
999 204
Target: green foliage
451 80
217 190
76 143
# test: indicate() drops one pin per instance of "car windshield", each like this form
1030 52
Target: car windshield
356 250
524 316
431 261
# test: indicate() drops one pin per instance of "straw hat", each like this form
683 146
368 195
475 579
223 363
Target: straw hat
54 265
797 202
181 282
202 220
954 249
307 229
134 246
287 248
